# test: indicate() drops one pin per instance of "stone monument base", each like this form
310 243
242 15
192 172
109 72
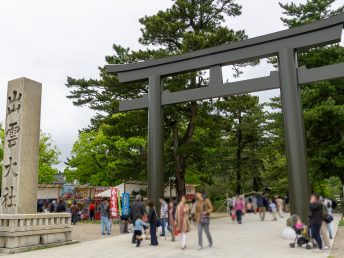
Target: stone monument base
24 232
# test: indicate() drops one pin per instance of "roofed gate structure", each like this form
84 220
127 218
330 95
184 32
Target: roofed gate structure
284 45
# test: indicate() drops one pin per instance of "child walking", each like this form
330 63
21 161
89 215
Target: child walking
139 223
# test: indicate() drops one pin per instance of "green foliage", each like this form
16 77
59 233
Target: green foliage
100 159
191 25
187 26
274 171
311 11
225 145
48 157
243 140
323 102
330 187
341 223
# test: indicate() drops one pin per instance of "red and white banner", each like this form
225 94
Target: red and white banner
114 203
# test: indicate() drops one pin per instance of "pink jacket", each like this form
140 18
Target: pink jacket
239 205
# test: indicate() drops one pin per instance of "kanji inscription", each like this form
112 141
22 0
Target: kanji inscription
14 102
9 168
8 197
12 134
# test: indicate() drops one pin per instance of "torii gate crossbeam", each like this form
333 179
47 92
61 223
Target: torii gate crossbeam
289 78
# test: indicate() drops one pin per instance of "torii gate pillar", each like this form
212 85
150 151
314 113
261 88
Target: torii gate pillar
298 179
155 140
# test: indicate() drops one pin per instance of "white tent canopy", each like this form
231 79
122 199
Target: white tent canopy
104 194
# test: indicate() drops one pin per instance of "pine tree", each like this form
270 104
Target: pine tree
188 25
323 102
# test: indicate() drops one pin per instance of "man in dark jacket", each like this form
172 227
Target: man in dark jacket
61 207
316 218
137 208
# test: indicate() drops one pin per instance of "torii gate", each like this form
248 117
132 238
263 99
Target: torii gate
289 78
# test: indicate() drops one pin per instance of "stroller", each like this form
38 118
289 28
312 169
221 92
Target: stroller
303 235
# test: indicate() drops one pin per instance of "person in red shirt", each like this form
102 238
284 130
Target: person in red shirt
92 209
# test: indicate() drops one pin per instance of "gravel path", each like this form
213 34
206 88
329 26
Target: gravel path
83 232
252 239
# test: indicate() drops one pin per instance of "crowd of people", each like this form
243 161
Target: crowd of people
320 210
257 203
178 218
175 218
59 206
53 206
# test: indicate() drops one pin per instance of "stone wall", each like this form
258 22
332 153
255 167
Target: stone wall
22 231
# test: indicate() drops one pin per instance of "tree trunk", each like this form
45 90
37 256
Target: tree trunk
238 157
179 164
179 158
180 176
255 184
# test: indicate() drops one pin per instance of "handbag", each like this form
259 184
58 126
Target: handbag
175 231
233 216
158 223
329 218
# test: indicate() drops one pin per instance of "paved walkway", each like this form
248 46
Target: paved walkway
252 239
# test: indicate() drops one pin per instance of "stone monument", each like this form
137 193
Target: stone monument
21 227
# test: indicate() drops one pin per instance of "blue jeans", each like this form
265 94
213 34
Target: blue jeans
204 226
74 218
329 228
163 225
105 224
315 231
238 214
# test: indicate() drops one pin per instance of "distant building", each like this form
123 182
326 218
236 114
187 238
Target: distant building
48 192
84 192
135 187
59 179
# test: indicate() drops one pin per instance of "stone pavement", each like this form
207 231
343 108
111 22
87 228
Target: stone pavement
252 239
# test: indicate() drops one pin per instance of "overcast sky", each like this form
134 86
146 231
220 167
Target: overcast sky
48 40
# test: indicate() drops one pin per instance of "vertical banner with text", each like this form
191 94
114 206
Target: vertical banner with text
125 204
114 203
